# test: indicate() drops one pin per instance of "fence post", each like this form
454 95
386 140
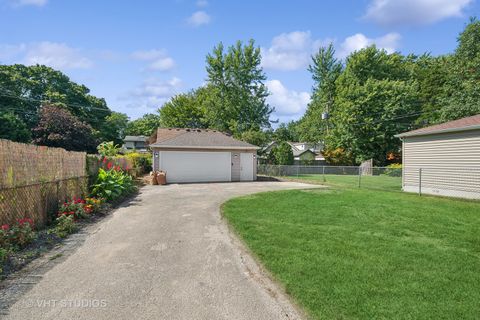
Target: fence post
359 176
297 170
323 173
420 181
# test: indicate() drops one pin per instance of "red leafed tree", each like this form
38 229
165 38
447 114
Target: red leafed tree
57 127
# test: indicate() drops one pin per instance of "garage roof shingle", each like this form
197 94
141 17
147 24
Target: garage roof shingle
197 138
468 123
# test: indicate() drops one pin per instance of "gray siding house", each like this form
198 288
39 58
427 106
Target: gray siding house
139 143
200 155
443 159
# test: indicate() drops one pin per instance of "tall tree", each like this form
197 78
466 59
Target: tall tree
376 99
462 97
238 93
114 128
58 127
143 126
286 132
325 70
23 90
185 110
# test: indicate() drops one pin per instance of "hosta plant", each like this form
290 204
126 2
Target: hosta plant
111 184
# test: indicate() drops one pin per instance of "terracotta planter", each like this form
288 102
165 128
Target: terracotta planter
161 178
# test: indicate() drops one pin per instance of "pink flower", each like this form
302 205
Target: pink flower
109 165
5 227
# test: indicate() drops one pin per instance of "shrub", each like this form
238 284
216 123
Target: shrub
394 170
142 162
111 184
283 154
94 204
65 226
18 235
108 149
77 208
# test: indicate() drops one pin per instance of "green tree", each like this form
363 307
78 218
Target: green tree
114 128
23 89
237 96
462 96
184 110
143 126
13 128
287 132
255 137
325 70
376 99
282 154
57 127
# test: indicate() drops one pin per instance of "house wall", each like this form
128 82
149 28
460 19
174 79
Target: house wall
449 163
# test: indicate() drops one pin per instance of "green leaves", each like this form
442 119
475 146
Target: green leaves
237 96
111 184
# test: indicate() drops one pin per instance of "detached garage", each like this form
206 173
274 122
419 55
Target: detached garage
200 155
443 159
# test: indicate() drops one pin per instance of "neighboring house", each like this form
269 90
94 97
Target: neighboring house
443 159
200 155
302 152
138 143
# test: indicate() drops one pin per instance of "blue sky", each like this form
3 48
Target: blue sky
137 54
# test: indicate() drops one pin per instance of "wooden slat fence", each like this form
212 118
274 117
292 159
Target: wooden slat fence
35 179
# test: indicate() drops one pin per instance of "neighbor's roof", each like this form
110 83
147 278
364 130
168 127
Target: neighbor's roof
469 123
135 138
197 139
297 153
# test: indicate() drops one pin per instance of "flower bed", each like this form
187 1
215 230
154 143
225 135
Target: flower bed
112 185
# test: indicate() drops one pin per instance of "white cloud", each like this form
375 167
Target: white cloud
290 51
389 42
286 102
199 18
413 12
56 55
202 3
158 59
37 3
153 93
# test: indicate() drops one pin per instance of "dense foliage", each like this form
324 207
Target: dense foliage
57 127
233 99
112 184
375 95
24 89
143 126
281 154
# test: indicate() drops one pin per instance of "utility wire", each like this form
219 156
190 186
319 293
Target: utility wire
8 94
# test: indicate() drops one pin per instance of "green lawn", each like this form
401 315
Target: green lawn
363 254
382 182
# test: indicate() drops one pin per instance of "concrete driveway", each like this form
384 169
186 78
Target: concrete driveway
167 255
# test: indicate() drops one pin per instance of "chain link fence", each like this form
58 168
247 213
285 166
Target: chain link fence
35 179
450 182
382 178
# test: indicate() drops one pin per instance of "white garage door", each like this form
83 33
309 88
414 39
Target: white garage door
187 166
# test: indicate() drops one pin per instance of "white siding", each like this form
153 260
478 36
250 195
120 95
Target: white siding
450 164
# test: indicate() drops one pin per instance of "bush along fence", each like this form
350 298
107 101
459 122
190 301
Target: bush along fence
41 185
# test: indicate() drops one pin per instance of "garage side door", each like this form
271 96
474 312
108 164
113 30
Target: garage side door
189 166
